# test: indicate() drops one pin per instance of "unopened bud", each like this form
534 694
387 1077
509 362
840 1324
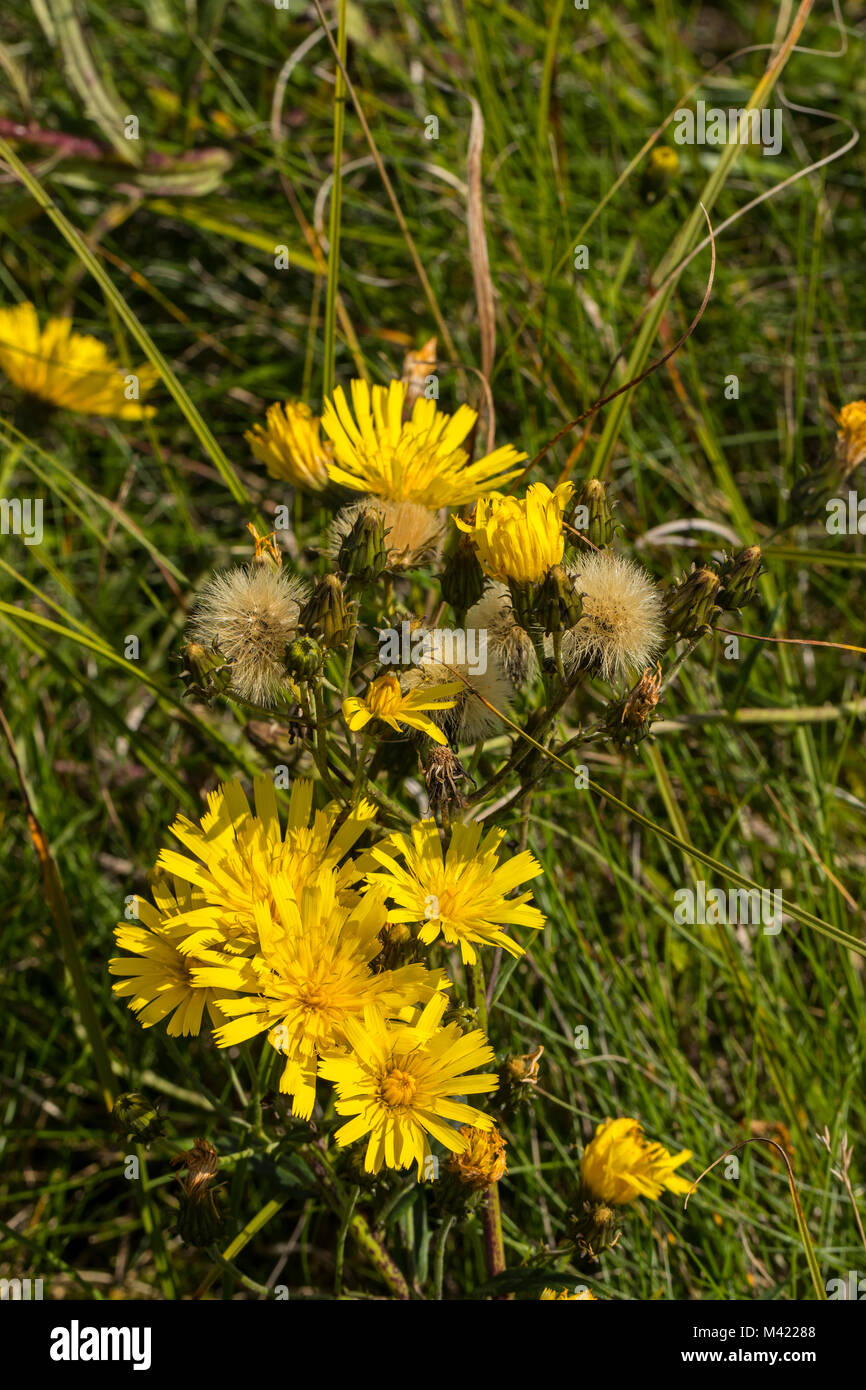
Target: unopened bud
738 576
691 605
462 581
136 1118
326 614
304 657
363 555
559 604
206 671
659 173
590 506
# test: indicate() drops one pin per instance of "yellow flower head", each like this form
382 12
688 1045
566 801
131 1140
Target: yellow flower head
583 1296
234 855
157 976
463 895
312 975
520 538
483 1162
619 1165
851 439
290 447
398 1081
68 369
384 699
417 460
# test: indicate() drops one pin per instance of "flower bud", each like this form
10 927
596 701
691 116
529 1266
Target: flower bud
135 1117
691 604
362 554
326 614
559 604
304 657
738 574
206 671
658 175
591 514
462 579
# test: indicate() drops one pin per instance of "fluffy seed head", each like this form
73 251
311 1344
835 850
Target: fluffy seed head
621 628
250 613
507 642
412 533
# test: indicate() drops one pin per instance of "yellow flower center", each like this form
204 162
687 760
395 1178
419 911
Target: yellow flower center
398 1087
384 695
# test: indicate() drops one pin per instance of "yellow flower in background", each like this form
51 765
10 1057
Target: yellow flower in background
290 446
462 894
851 439
158 978
313 975
520 538
384 699
619 1165
235 854
398 1084
418 460
584 1296
68 369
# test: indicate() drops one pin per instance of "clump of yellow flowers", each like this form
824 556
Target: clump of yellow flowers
340 919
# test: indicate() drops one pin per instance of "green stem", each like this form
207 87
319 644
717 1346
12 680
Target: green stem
439 1255
335 210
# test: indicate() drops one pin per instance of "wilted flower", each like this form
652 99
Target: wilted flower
199 1220
442 771
250 614
419 460
619 1165
482 1163
290 446
621 628
68 369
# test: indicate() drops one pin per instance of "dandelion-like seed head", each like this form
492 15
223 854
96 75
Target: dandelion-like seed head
507 642
621 629
250 613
